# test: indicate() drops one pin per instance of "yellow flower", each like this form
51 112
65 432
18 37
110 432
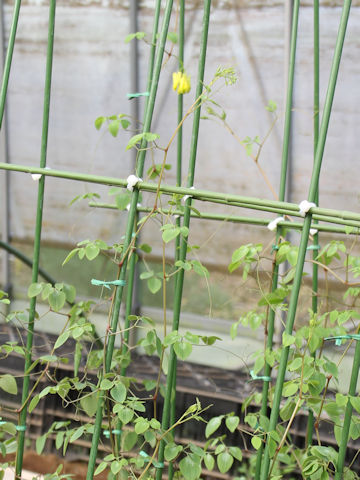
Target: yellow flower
181 82
176 79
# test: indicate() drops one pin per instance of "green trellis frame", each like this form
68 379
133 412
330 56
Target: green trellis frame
339 221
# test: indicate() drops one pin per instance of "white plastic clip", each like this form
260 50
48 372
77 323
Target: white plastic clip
37 176
313 231
185 197
132 180
305 206
273 224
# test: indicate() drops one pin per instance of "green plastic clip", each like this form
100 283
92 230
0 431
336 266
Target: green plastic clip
256 377
338 338
114 432
313 247
21 428
148 459
136 95
118 283
274 247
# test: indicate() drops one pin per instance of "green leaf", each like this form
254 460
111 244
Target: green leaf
295 364
70 255
91 251
145 248
126 415
101 467
256 442
170 233
99 121
154 284
77 433
190 467
40 444
271 106
287 339
287 410
34 289
116 466
89 404
70 292
57 300
141 426
236 453
62 339
114 127
213 425
59 440
199 268
118 393
355 402
224 461
182 349
106 384
122 200
137 35
35 400
125 123
149 137
134 140
130 440
8 384
209 461
173 37
232 422
184 231
172 451
290 389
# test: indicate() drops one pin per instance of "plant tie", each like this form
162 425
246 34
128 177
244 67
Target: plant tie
338 338
21 428
147 458
115 432
117 283
256 377
136 95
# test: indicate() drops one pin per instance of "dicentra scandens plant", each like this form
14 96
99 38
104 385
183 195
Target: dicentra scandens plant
295 377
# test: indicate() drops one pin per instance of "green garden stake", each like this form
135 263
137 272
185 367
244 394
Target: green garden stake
8 59
282 188
315 246
149 109
348 412
306 229
183 245
37 240
180 114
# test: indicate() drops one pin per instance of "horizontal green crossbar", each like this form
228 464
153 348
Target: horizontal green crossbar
238 219
204 195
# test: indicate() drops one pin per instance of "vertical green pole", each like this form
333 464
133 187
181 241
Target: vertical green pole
282 188
306 229
348 414
186 222
128 235
153 46
315 268
178 184
37 240
8 59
